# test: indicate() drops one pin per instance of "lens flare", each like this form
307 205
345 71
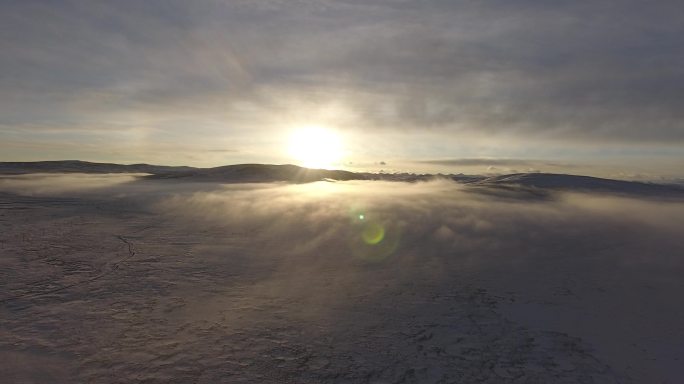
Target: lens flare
373 233
372 238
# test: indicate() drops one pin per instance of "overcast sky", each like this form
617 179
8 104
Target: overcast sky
218 82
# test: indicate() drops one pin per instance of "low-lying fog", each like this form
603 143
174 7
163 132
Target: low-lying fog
115 278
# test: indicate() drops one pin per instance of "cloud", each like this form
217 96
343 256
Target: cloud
439 218
495 162
400 225
221 150
572 72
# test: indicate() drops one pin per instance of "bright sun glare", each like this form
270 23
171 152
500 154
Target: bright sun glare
315 147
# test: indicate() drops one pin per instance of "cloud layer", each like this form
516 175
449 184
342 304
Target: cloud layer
137 77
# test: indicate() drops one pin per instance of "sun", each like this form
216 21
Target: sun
315 147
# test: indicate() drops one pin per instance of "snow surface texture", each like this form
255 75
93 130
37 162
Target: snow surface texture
160 281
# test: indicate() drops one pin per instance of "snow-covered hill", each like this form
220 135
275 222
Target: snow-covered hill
260 173
78 166
579 183
264 173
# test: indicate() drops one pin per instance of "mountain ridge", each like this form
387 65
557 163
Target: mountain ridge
257 173
80 166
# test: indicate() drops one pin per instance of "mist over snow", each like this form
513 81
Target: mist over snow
336 272
60 184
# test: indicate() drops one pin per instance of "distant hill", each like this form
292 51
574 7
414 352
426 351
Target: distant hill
239 173
77 166
536 183
553 181
254 173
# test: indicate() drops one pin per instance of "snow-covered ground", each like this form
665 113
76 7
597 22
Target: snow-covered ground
111 279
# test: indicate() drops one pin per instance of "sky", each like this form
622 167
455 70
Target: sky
578 86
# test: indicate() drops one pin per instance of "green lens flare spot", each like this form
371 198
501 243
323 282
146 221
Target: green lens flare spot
362 217
373 234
